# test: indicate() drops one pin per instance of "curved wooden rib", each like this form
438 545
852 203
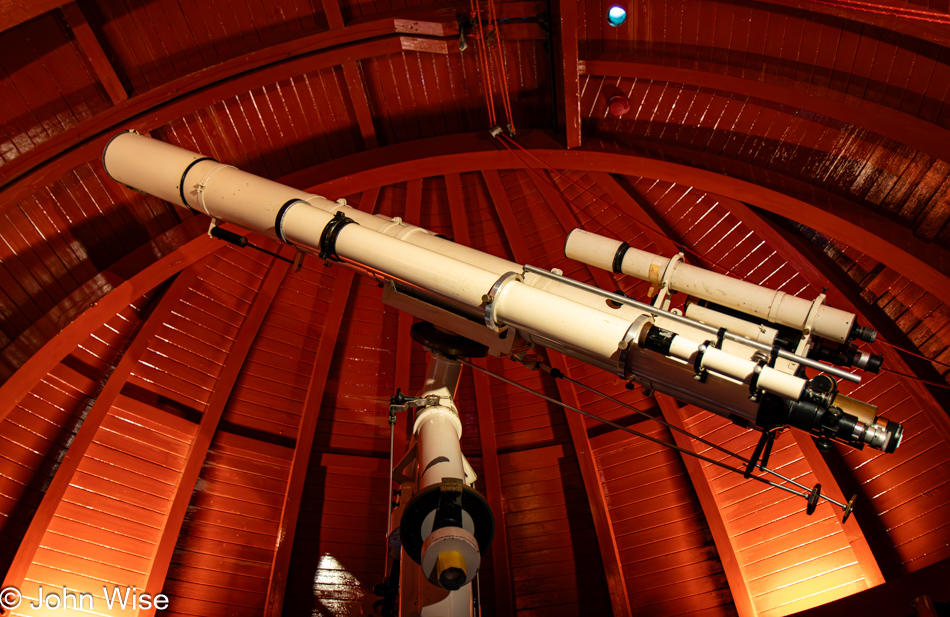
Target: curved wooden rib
843 293
501 567
570 75
712 510
880 119
90 295
923 29
878 237
153 109
62 344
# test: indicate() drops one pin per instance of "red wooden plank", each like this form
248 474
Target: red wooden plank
93 48
74 456
291 504
261 59
727 550
620 600
41 363
862 551
209 422
637 208
500 566
569 74
843 293
872 116
840 219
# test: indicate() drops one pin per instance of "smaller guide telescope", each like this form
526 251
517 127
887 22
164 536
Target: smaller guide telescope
756 329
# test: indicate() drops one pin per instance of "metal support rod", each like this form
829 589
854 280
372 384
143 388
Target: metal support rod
831 370
551 399
691 435
805 494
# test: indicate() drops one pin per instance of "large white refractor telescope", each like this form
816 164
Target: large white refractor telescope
739 350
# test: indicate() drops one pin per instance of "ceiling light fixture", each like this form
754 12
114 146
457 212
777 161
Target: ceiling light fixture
616 15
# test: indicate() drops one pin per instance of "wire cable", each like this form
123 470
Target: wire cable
913 353
639 434
503 73
758 465
935 384
483 62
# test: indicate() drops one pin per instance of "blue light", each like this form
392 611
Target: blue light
616 15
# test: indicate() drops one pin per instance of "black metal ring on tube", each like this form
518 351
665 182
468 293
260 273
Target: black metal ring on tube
106 149
618 257
181 183
330 233
278 220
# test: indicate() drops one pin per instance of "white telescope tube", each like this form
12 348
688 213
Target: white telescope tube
223 192
775 306
438 428
399 252
770 380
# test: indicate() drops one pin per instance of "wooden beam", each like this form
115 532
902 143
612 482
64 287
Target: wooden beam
15 12
565 215
94 295
153 109
42 362
501 568
927 25
603 526
97 56
77 449
728 554
570 73
277 584
355 84
453 188
635 206
607 543
895 597
403 373
509 222
247 334
886 121
504 595
852 528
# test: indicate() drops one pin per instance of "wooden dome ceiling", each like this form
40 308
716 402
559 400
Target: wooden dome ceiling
185 416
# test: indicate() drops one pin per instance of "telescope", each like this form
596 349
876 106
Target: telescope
737 349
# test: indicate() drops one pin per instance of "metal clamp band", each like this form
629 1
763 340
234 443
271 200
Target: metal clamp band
201 185
618 257
628 341
279 219
489 299
701 373
720 335
330 234
754 391
181 182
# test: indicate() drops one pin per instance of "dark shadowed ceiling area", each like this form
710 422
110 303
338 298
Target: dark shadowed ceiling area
210 422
